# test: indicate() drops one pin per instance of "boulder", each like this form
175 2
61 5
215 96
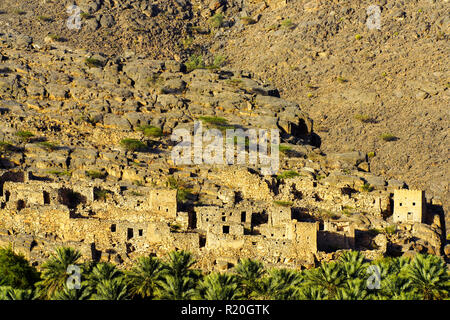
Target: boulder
353 158
115 121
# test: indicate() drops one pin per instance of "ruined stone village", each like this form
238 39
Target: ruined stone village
73 184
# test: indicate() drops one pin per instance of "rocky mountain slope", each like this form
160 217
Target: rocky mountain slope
361 112
356 84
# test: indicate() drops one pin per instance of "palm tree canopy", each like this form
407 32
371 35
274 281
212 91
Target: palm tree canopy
176 288
114 289
54 272
429 277
219 286
144 277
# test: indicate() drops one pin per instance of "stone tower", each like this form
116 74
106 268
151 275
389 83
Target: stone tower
409 205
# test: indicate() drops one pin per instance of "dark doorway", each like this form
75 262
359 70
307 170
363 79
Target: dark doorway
46 197
130 233
20 205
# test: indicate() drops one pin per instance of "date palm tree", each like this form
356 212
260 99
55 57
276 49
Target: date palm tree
112 289
15 270
102 271
83 293
328 276
144 277
54 271
178 278
180 264
429 277
219 286
354 289
352 263
391 285
307 292
249 273
9 293
176 288
281 284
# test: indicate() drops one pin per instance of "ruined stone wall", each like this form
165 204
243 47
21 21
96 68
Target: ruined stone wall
279 215
334 198
303 236
278 232
336 235
38 249
163 201
214 216
251 185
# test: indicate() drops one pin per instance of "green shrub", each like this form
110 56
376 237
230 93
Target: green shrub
287 23
288 174
216 21
247 21
390 230
216 121
24 136
187 42
364 118
95 174
195 62
60 173
85 15
341 80
358 37
154 79
273 27
283 203
388 137
283 148
371 154
183 194
101 194
151 131
132 144
219 62
48 146
347 210
138 183
54 37
45 18
367 187
19 12
93 63
326 214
